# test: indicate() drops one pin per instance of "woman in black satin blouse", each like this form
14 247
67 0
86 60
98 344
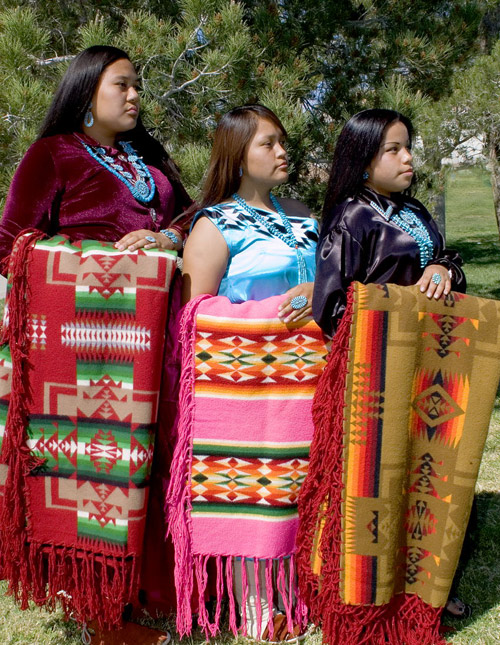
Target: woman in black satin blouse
373 231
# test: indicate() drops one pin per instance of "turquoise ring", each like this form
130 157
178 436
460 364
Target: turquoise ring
299 302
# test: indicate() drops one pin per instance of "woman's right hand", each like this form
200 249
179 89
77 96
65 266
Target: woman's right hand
428 282
287 313
139 240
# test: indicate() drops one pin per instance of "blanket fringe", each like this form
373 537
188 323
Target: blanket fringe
282 570
406 619
15 452
323 485
177 501
85 584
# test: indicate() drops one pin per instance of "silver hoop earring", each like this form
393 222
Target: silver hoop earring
241 172
88 120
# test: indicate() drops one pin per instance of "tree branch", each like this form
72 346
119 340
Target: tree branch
203 74
44 62
187 48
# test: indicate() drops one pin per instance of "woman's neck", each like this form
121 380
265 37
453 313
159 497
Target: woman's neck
392 197
104 138
255 196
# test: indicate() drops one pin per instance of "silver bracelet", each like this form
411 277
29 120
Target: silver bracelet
171 235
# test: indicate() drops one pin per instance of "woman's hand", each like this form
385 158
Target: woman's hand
139 240
434 286
286 312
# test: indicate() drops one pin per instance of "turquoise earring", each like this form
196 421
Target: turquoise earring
88 120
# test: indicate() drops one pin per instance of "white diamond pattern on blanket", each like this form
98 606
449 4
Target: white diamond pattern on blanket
94 335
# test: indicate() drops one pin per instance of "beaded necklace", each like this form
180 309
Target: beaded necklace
288 238
139 188
410 223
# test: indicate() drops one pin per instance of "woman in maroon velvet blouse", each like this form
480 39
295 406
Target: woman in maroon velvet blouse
81 179
64 183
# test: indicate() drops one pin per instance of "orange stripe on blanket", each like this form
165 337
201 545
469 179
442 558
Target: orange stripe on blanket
238 360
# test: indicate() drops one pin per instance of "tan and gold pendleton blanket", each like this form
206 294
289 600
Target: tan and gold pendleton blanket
401 415
79 386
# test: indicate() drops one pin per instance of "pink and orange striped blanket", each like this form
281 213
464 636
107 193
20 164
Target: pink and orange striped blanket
245 427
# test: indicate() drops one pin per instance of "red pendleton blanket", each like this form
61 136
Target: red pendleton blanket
245 427
401 415
79 384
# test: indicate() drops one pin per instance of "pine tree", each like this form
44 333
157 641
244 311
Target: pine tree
195 63
314 62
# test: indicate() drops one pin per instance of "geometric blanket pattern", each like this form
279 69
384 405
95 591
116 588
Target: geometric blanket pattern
95 327
241 359
419 379
243 443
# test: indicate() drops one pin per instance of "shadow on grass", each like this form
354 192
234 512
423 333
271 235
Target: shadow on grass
477 581
482 253
479 249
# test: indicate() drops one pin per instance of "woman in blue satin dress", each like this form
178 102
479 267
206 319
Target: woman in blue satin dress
248 245
245 243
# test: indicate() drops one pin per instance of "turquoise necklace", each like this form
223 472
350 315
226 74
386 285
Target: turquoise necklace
288 238
138 187
410 223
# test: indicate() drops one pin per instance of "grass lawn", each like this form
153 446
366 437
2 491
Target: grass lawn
471 229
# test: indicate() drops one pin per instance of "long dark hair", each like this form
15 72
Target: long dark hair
72 99
357 145
232 136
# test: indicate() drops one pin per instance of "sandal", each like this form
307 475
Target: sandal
456 608
281 633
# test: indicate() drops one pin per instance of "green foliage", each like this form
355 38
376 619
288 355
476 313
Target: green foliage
397 94
96 32
314 63
22 42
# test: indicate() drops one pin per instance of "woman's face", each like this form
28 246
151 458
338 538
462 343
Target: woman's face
391 169
115 103
265 160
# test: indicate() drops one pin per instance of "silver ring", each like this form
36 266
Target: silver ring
150 238
299 302
436 278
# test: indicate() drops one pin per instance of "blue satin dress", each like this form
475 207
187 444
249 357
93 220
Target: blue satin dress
260 265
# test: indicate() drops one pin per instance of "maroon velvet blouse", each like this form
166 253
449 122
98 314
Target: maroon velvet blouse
59 188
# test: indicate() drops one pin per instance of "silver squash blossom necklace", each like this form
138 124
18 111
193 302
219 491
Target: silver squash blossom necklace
138 186
410 223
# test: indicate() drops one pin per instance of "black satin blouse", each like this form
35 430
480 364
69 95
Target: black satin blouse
357 243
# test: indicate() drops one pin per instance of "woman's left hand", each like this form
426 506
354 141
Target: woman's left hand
287 313
139 240
435 287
